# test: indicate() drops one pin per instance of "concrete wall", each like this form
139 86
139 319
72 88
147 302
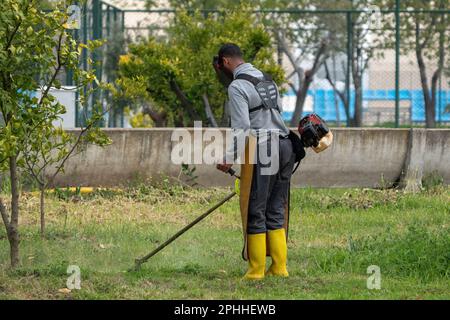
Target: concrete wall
357 158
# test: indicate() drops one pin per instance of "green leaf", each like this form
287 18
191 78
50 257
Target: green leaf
30 31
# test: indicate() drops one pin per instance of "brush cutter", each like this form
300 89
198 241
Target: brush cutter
140 261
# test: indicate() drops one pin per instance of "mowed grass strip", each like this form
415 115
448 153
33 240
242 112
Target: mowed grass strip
334 236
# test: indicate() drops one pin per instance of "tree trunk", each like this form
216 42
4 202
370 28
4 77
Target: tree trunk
435 79
430 113
298 111
429 105
42 210
430 117
159 118
225 121
208 111
185 102
342 95
358 119
179 119
302 93
13 228
336 103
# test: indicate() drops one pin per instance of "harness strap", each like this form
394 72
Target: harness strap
256 108
255 81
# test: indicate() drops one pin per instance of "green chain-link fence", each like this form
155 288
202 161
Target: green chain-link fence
369 73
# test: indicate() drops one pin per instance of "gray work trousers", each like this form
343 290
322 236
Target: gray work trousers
269 193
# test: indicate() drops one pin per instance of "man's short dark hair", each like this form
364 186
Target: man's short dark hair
230 50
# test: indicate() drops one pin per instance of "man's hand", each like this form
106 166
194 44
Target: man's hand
224 167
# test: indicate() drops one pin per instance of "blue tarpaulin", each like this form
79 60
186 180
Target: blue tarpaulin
324 103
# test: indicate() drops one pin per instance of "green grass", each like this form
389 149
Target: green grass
335 234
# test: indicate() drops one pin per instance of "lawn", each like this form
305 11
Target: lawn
335 235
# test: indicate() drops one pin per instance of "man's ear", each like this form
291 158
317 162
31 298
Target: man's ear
225 60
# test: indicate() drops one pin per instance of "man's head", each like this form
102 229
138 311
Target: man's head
230 57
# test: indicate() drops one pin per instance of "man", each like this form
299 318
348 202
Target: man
264 194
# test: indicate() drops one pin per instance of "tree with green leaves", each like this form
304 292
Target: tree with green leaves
357 36
176 77
300 37
311 40
293 37
428 36
35 46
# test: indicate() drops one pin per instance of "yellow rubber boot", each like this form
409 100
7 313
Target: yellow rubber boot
256 256
278 252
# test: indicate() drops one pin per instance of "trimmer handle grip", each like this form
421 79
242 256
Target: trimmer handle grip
231 172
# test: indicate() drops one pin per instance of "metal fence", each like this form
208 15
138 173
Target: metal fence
99 21
388 84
